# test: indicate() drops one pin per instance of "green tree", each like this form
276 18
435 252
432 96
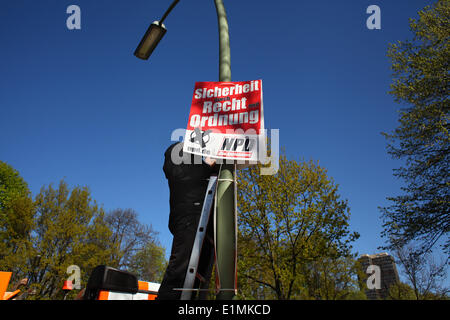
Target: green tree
401 291
70 230
421 82
423 274
332 278
287 223
149 263
16 222
138 251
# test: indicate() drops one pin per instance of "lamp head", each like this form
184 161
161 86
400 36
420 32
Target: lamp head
150 40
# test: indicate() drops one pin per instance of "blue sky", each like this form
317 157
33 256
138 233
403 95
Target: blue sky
78 105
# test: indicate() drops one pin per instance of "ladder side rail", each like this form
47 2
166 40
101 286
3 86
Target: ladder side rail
191 271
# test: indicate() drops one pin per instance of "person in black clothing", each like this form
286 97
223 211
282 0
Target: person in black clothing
187 183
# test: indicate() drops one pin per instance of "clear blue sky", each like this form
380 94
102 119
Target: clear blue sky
77 104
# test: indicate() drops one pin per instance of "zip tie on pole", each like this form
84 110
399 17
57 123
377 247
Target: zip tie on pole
218 175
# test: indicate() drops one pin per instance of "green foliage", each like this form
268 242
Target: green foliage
71 230
421 81
40 239
290 225
149 263
16 222
11 184
332 278
401 291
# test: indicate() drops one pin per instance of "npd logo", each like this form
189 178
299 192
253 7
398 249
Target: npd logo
238 147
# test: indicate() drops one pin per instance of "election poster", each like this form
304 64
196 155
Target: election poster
226 120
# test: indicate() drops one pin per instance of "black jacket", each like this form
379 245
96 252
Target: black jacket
187 183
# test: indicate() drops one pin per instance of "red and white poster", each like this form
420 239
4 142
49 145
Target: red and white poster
226 120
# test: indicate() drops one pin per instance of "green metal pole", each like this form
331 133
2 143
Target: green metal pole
224 43
225 213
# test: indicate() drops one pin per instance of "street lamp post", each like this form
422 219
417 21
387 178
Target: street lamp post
226 190
226 194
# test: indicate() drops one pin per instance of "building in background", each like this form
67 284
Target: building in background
388 274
